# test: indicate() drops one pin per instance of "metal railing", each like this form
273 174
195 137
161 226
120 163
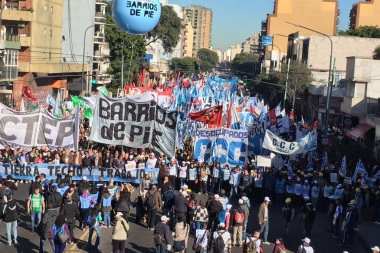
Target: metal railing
12 37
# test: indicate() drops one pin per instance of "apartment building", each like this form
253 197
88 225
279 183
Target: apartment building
365 13
201 20
187 36
251 44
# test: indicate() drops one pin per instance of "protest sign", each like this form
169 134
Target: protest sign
256 133
347 180
37 128
333 177
264 161
221 145
123 121
28 172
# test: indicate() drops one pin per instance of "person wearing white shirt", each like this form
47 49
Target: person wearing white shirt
131 162
151 162
203 236
254 239
305 246
225 235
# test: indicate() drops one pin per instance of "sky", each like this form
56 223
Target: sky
229 15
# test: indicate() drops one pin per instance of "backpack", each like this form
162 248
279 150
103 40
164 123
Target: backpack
158 237
192 203
251 246
219 244
222 216
151 201
8 191
91 220
239 217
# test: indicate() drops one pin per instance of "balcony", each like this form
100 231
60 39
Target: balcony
100 20
100 15
16 15
98 34
356 106
8 73
373 110
99 40
101 2
264 25
24 41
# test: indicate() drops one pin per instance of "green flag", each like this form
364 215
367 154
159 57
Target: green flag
103 89
76 100
88 113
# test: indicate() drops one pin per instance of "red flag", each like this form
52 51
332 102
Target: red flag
28 94
314 126
212 115
272 117
229 115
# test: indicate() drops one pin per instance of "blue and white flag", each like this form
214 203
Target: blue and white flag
324 161
343 167
360 169
50 100
57 112
310 159
302 121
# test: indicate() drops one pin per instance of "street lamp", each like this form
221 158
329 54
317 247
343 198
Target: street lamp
329 81
298 64
84 50
1 14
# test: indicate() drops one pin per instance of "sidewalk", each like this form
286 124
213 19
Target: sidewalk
368 233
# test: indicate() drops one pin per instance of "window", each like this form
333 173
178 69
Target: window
45 7
49 55
51 9
44 31
51 33
43 55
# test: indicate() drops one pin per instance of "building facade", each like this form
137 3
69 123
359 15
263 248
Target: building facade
201 20
231 52
187 36
250 45
365 13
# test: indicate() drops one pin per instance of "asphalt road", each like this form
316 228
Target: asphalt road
141 240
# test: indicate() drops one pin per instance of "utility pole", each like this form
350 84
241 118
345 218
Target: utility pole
122 67
286 83
329 94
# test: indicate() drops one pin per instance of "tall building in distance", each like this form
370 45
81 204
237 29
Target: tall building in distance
201 20
365 13
251 44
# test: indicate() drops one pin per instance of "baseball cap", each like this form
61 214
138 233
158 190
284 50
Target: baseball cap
185 186
266 199
164 218
184 193
221 224
131 156
84 178
216 196
241 201
228 206
119 214
307 240
375 248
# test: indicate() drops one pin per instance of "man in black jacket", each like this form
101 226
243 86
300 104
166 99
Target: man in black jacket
213 208
11 215
44 229
73 193
163 229
70 211
35 184
55 198
309 219
69 177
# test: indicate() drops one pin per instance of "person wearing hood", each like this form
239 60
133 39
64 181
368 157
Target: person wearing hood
351 219
70 211
84 202
124 201
47 222
237 224
105 201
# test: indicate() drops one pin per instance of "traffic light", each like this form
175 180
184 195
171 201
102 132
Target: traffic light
94 79
245 80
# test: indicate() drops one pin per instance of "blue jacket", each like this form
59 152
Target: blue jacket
19 158
280 186
235 179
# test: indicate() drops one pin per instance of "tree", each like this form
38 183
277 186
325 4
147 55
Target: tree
244 62
168 29
121 43
208 59
376 53
186 64
363 31
278 78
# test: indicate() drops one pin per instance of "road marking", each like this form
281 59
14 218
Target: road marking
80 238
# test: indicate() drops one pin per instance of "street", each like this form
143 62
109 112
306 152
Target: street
141 240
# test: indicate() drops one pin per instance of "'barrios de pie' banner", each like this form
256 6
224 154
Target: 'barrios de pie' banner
278 145
36 128
28 172
223 145
123 121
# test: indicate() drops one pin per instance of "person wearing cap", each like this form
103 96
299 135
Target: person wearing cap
306 188
330 213
315 193
131 162
153 203
289 214
338 216
226 236
263 216
305 246
326 196
119 234
351 221
298 192
173 171
237 237
151 162
84 184
339 192
255 239
310 216
289 188
375 249
35 206
213 208
167 239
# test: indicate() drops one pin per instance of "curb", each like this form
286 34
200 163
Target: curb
363 240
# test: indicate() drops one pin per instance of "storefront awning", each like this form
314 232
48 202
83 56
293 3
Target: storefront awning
358 131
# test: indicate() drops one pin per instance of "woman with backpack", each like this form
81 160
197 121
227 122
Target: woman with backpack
279 247
93 222
221 240
60 234
181 234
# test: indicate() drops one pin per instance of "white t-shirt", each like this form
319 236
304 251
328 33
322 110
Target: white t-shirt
258 242
183 172
199 234
151 163
308 249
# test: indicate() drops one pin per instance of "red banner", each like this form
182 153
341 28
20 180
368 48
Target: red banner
212 115
28 94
